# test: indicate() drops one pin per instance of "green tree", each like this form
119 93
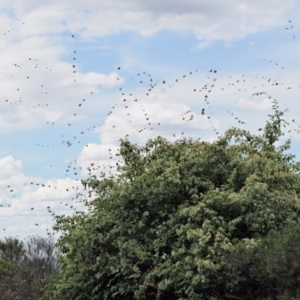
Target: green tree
12 249
6 276
166 225
12 255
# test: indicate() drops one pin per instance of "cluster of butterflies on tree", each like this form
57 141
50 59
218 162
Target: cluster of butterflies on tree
125 102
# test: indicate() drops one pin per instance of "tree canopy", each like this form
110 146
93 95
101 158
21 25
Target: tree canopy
170 223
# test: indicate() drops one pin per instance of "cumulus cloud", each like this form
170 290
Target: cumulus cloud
37 85
209 20
28 200
9 167
34 44
265 105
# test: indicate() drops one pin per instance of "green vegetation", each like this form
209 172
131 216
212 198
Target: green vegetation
24 268
188 220
272 269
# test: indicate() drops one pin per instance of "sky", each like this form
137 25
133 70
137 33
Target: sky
78 76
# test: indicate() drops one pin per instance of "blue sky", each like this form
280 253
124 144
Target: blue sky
49 135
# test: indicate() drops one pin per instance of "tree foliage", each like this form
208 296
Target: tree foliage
24 267
272 269
167 226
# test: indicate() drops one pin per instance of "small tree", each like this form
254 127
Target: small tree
12 249
165 227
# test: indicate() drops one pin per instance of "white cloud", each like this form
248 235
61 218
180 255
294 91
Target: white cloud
265 105
41 39
95 80
9 167
37 87
24 199
209 20
43 20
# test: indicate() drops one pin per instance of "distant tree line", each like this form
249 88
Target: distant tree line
26 267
